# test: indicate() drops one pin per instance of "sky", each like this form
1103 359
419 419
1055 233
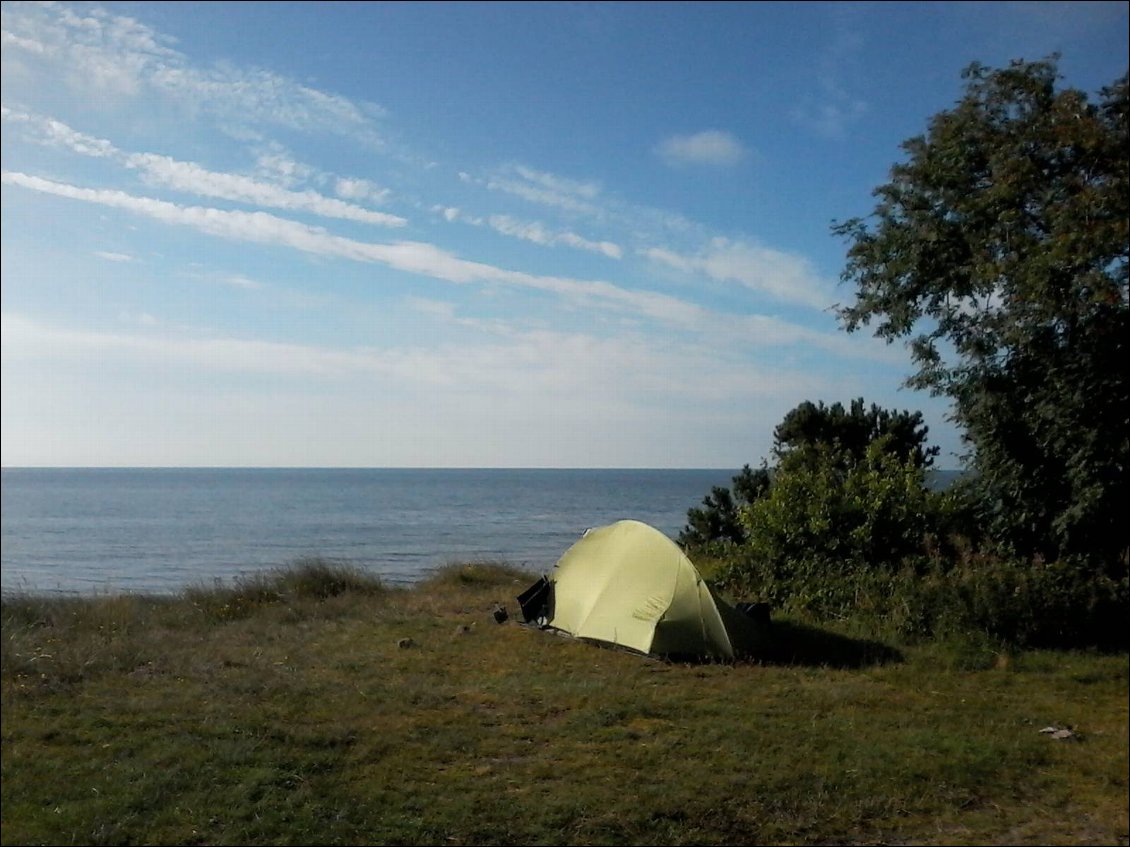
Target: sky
463 234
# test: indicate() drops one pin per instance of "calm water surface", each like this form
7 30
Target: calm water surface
160 530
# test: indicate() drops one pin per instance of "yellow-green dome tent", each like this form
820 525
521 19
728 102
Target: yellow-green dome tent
628 584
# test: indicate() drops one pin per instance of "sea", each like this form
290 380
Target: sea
159 531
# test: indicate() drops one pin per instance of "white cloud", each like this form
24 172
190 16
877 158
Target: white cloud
192 178
831 114
429 260
830 109
449 213
540 366
782 276
360 189
280 168
27 45
113 257
26 338
536 232
240 281
141 318
710 147
575 198
435 308
476 402
53 132
195 179
547 189
558 184
104 55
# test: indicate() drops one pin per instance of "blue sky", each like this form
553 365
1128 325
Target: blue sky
462 235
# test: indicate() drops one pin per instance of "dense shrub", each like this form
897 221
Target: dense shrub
826 519
1012 602
714 527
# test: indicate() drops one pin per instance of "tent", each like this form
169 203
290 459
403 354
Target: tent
629 585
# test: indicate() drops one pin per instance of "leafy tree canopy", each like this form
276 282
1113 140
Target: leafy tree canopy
716 520
847 434
1000 249
853 430
828 518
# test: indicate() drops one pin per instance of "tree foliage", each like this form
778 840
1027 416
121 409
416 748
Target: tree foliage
854 430
848 433
716 521
830 517
1000 249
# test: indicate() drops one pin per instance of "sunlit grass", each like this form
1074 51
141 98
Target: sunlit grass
315 705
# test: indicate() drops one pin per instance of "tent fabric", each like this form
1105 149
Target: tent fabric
628 584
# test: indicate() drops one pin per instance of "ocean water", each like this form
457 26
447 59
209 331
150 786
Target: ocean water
157 531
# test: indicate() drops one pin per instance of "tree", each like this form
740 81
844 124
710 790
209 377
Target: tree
854 430
848 433
1000 247
716 521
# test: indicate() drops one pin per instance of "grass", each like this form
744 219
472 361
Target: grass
313 705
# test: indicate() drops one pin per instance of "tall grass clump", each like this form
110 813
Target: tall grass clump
64 639
478 574
305 579
1024 603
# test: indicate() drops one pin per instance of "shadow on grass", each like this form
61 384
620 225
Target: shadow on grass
793 643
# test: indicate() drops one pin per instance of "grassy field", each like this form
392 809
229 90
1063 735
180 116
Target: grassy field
314 706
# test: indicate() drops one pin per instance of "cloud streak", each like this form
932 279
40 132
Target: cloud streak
710 147
536 232
112 56
539 365
431 261
782 276
191 178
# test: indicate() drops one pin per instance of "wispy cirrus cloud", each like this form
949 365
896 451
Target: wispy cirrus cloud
110 256
539 234
116 56
360 189
558 184
627 223
431 261
546 189
241 281
409 256
785 277
189 177
140 318
709 147
544 362
534 231
830 109
192 178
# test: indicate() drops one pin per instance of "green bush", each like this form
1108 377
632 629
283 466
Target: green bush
1029 603
826 520
1003 600
825 506
867 540
714 527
